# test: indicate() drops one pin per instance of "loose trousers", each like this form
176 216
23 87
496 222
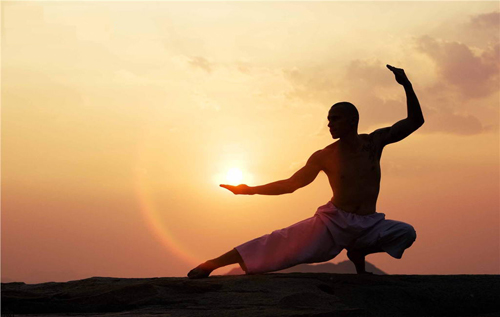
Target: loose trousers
322 237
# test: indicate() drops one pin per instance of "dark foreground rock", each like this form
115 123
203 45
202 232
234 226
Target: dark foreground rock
344 267
272 294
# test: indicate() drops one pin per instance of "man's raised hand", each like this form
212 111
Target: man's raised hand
400 75
241 189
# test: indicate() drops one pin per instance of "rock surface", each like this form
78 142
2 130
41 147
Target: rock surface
271 294
344 267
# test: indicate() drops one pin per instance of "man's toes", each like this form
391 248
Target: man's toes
198 273
201 271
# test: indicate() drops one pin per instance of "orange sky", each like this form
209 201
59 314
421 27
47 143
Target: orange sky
119 120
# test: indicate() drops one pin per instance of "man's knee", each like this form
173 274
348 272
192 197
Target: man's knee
408 233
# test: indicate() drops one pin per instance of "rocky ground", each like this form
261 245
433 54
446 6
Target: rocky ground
272 294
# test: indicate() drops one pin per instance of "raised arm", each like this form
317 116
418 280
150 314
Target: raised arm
412 122
301 178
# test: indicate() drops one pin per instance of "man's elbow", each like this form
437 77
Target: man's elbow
417 122
421 122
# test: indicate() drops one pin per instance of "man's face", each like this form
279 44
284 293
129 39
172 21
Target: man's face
338 122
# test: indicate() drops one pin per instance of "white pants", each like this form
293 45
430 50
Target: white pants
322 237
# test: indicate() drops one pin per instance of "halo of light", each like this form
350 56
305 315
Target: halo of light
150 211
153 216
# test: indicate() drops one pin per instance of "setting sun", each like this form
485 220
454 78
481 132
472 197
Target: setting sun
234 176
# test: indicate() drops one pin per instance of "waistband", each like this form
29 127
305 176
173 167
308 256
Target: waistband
330 207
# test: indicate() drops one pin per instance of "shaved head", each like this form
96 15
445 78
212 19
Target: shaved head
348 109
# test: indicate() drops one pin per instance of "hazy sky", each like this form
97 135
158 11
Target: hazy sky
120 119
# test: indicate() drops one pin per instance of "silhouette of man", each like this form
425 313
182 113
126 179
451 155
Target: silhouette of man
349 220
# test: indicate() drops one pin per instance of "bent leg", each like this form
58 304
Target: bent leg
396 237
358 257
390 236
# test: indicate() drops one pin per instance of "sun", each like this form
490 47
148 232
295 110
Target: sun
234 176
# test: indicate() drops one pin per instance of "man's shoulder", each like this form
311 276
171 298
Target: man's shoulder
324 152
330 147
380 135
380 131
317 159
318 156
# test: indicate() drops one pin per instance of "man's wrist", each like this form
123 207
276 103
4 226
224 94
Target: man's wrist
251 190
408 85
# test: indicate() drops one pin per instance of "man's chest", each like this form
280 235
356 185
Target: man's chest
345 164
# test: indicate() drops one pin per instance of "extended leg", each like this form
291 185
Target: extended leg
307 241
203 270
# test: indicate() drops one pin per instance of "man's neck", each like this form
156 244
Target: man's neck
350 141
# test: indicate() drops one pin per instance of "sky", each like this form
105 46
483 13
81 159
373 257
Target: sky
121 119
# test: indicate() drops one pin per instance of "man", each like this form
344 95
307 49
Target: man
349 220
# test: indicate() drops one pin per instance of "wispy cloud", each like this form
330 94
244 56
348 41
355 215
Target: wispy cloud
475 76
463 74
200 62
485 21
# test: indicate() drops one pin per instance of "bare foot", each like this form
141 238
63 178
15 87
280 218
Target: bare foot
202 271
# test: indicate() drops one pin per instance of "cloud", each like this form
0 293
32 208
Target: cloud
485 21
454 123
196 62
367 83
204 102
200 62
312 84
475 76
370 86
479 31
456 89
453 76
445 112
467 65
327 83
373 72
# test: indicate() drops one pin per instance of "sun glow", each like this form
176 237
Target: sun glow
234 176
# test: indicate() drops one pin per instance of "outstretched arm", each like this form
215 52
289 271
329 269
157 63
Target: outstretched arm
413 121
301 178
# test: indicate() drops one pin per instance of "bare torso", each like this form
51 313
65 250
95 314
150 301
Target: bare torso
354 175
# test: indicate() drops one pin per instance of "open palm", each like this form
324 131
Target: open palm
400 75
241 189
